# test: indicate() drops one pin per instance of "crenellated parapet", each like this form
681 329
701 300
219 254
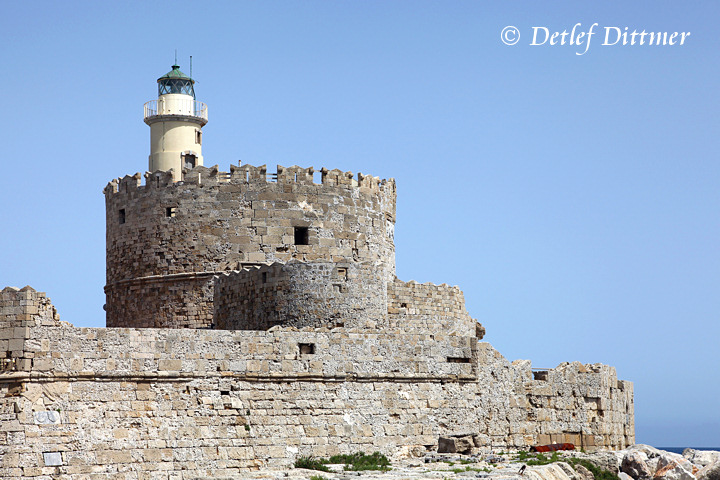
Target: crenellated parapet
249 174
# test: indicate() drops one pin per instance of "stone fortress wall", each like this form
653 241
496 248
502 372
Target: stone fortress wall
301 342
137 403
166 240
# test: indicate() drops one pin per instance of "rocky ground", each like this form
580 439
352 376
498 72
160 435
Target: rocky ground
639 462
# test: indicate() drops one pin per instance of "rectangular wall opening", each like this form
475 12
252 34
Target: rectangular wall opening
169 212
458 360
306 348
302 236
121 216
341 273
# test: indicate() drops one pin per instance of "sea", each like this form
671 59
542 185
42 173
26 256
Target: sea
680 449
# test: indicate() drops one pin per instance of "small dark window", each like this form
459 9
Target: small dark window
540 375
224 392
121 216
198 137
170 211
264 277
301 236
306 348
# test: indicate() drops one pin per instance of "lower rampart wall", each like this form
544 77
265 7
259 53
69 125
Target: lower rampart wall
186 404
427 307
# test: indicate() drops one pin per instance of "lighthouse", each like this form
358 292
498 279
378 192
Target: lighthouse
176 120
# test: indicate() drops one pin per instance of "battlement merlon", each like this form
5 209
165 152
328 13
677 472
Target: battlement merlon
20 311
25 307
249 174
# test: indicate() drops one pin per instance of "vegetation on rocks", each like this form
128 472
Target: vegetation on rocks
470 469
598 473
356 462
360 461
312 463
540 459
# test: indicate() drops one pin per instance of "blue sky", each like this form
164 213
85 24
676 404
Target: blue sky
574 198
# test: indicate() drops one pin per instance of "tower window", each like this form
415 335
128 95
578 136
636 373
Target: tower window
301 236
306 348
121 216
169 211
189 161
198 137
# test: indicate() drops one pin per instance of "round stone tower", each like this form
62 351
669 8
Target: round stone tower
176 120
167 240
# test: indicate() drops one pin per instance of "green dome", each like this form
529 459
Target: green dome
176 81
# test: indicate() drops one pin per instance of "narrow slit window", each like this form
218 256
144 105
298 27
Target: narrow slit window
169 212
458 360
302 236
121 216
198 137
264 277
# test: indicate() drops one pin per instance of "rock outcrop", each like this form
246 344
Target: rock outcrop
710 472
643 462
635 465
701 457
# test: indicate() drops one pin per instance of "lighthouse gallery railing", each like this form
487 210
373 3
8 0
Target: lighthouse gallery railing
189 107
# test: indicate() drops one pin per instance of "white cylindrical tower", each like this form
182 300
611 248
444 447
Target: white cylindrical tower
176 120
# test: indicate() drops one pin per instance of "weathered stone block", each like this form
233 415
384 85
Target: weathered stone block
52 459
455 444
16 344
170 365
